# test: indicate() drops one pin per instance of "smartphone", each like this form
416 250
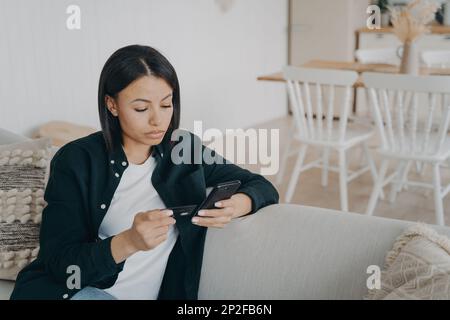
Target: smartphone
221 191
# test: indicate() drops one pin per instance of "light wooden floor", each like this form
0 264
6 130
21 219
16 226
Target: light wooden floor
413 205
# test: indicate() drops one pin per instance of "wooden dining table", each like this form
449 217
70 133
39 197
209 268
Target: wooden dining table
354 66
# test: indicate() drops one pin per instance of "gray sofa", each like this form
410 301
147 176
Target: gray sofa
292 252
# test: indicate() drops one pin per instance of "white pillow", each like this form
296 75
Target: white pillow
417 267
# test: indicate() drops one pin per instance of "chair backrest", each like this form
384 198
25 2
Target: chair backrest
436 58
385 55
395 108
314 110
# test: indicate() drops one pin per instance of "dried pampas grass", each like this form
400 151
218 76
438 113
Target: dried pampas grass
411 21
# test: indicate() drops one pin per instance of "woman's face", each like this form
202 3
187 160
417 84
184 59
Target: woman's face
144 109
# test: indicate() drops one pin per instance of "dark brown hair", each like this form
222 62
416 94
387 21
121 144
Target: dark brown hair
122 68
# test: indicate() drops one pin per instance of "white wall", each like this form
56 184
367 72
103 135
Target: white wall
325 29
48 72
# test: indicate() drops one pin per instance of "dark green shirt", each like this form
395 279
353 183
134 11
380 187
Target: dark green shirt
83 178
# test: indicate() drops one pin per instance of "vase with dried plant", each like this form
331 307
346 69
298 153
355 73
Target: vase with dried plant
409 24
384 10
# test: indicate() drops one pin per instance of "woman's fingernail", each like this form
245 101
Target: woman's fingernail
201 213
168 212
218 204
194 220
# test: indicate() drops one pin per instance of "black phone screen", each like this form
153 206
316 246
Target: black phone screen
221 191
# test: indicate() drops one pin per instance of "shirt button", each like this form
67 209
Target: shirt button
103 206
124 163
162 154
117 175
112 161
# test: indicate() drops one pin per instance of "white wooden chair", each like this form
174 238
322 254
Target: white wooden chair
436 59
383 55
374 56
403 138
314 126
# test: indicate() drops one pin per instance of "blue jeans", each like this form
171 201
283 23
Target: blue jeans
91 293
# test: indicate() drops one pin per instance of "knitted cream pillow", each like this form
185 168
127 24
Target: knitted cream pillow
417 267
23 176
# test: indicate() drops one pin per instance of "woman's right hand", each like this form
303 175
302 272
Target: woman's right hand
149 229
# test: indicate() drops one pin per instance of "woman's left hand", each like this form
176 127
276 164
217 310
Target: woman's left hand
238 205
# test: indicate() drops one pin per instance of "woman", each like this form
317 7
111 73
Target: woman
105 232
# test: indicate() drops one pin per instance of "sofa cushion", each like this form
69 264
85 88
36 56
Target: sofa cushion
23 175
418 267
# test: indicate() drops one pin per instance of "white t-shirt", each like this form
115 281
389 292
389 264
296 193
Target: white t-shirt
143 272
